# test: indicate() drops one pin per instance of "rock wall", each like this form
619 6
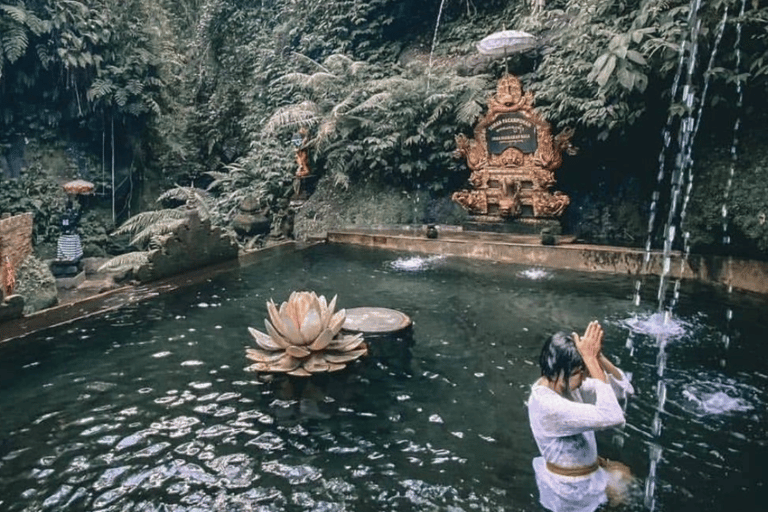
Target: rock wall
15 244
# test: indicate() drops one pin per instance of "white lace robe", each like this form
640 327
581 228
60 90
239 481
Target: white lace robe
564 432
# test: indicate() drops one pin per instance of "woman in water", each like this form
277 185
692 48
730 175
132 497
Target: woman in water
577 393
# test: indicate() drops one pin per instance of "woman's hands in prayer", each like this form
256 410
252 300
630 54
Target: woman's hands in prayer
590 346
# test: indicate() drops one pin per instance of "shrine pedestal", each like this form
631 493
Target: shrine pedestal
518 226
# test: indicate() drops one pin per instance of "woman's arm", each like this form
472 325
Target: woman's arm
609 367
558 416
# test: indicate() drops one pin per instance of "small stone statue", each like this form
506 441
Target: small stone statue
69 249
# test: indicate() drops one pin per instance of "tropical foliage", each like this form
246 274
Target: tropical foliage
211 92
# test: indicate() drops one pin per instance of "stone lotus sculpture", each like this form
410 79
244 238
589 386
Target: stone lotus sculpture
303 337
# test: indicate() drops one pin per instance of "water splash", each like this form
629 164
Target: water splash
535 274
414 263
657 324
717 402
434 43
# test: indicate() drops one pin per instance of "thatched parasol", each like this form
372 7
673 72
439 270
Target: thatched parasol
79 187
507 42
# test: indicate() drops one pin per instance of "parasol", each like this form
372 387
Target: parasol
506 42
78 187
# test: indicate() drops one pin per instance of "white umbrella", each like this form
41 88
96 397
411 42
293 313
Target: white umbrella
507 42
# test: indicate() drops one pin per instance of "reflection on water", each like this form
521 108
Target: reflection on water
150 408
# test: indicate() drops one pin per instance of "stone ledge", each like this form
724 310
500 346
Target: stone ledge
745 275
71 282
64 313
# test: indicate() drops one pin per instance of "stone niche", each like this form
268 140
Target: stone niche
513 156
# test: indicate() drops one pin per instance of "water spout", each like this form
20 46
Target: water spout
676 213
729 183
666 138
434 43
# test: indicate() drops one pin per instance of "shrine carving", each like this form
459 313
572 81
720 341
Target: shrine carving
513 156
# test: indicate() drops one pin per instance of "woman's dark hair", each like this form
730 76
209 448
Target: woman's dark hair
559 356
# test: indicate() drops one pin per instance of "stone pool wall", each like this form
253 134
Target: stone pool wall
744 275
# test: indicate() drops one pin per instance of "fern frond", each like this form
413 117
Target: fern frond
342 106
303 58
142 220
295 78
153 106
377 100
314 81
305 113
438 111
320 79
100 88
469 111
338 62
128 261
36 25
218 175
325 132
358 67
14 42
157 229
437 97
394 83
18 14
186 194
192 196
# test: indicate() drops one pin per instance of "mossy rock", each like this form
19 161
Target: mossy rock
35 282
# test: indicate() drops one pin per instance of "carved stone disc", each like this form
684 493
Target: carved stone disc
375 320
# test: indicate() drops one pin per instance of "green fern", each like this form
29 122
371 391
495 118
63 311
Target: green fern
17 13
14 42
305 113
158 229
141 221
193 198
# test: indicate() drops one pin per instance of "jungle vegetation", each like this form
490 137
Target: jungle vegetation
211 93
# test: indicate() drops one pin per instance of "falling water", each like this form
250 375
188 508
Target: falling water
682 159
685 136
666 137
434 42
688 160
729 183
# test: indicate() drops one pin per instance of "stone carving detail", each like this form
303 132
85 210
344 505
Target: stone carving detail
513 156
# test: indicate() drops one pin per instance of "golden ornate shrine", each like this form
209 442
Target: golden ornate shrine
513 158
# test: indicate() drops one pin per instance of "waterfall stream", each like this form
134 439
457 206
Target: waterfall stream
685 135
729 182
434 42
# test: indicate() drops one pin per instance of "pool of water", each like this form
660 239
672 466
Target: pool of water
149 408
